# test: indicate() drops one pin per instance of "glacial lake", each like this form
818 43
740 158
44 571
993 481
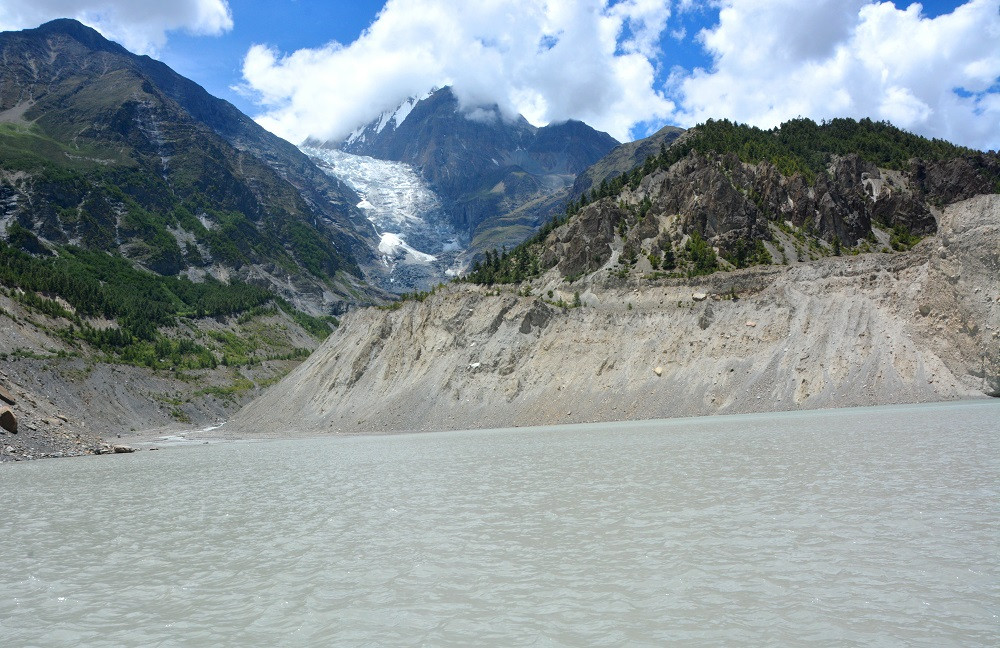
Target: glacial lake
873 527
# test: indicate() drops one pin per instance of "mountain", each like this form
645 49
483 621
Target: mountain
833 332
624 158
162 257
111 151
727 196
840 264
499 178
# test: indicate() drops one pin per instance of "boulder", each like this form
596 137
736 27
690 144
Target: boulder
538 317
699 296
658 371
706 318
122 449
6 396
7 420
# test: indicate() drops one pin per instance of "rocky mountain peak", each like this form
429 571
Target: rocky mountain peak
77 31
498 178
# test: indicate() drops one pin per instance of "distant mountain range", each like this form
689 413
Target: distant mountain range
500 178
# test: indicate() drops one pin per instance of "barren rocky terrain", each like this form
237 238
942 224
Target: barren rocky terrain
870 329
69 402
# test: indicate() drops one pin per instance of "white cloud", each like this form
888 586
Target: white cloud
592 60
777 59
140 26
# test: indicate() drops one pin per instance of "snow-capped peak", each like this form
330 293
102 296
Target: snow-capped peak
391 119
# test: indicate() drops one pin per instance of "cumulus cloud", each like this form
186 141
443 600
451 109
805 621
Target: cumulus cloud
777 59
593 60
140 26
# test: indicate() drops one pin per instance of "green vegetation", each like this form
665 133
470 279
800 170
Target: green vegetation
800 146
28 148
803 146
744 253
901 239
509 267
699 255
97 285
797 146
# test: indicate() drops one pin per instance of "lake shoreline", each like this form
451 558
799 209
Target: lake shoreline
178 435
173 436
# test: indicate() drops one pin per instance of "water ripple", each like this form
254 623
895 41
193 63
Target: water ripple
867 527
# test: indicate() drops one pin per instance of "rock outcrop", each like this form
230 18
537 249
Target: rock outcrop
742 209
584 245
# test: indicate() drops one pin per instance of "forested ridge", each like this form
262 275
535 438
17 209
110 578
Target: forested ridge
797 147
134 304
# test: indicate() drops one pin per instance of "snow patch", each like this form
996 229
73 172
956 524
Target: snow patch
392 245
355 135
404 111
383 121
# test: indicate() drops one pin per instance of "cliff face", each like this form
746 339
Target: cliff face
839 331
725 199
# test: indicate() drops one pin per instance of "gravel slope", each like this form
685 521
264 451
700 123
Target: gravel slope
842 331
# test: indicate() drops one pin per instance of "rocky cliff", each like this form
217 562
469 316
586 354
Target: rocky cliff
794 192
868 329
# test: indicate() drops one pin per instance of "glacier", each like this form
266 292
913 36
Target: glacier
417 245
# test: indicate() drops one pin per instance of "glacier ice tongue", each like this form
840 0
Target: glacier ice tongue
416 240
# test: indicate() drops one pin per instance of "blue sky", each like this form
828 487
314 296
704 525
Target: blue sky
290 25
309 67
216 62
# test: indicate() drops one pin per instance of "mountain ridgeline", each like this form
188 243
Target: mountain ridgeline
108 151
500 178
725 195
161 254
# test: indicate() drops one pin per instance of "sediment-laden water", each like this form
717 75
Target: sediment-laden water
868 527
